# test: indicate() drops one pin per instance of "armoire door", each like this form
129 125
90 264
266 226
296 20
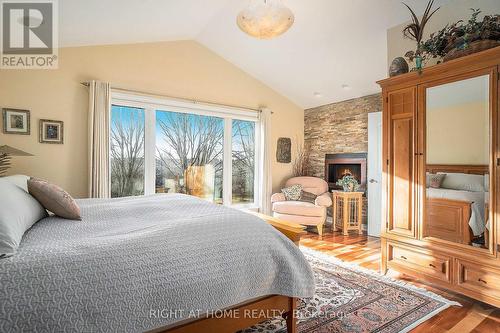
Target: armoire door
401 161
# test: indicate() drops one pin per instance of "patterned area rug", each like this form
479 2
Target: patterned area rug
352 299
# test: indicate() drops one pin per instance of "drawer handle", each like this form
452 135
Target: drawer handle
403 257
481 280
432 265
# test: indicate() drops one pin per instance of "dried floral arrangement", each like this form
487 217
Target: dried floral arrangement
415 31
301 162
463 35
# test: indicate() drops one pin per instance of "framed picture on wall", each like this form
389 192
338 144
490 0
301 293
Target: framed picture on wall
16 121
284 150
51 131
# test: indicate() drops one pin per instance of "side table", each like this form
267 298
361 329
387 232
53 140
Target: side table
347 211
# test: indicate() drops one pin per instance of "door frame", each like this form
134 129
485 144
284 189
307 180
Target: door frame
378 117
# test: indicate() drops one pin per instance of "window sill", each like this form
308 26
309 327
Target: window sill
246 207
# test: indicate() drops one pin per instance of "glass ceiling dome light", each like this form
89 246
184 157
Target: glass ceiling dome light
265 19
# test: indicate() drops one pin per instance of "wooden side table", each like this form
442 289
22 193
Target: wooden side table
347 211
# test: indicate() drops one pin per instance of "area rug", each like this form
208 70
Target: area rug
349 298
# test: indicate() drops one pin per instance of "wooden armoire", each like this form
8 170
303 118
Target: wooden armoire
441 169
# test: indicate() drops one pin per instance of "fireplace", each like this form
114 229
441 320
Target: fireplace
339 165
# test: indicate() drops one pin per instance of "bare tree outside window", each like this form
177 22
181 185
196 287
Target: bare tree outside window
243 159
189 154
127 151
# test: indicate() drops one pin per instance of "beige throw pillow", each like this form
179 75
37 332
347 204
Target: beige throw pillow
435 180
54 199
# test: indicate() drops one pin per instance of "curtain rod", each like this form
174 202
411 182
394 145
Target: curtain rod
194 101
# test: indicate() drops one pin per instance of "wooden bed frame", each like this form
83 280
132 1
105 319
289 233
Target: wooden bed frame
454 168
240 316
446 218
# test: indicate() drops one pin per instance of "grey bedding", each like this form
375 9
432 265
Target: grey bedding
135 264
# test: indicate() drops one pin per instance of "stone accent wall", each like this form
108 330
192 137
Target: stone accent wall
338 128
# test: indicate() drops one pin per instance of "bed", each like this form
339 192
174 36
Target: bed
456 215
162 263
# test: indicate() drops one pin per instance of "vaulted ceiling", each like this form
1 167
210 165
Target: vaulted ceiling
336 49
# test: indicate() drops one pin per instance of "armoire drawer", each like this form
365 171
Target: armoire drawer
478 278
432 265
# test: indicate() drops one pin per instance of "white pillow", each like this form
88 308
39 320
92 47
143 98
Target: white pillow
18 212
19 180
463 182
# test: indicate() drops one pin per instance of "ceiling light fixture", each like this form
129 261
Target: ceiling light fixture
265 19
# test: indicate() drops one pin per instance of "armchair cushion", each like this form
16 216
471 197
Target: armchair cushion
276 197
300 219
298 208
324 200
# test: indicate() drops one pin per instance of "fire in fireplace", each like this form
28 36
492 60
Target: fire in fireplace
340 165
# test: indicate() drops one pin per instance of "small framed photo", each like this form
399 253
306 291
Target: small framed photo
16 121
51 131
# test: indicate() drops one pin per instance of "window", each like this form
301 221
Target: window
166 146
243 160
189 154
127 151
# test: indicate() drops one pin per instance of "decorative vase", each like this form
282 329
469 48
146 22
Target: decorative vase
348 187
398 66
418 63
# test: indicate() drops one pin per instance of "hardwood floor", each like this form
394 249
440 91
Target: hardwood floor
363 250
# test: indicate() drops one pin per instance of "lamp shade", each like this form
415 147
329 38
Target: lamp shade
265 19
11 151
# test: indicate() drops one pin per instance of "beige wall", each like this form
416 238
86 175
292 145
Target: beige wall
454 11
184 69
458 134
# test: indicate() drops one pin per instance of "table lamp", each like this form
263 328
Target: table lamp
5 154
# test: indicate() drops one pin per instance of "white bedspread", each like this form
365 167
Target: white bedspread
135 264
477 199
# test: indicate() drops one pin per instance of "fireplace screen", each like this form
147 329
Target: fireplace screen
337 171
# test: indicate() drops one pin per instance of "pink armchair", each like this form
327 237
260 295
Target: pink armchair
304 213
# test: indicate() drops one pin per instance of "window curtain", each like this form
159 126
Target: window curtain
99 128
265 171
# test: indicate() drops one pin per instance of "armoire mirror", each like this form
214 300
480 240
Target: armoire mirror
457 158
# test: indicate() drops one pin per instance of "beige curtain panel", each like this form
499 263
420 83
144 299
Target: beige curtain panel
99 128
265 172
